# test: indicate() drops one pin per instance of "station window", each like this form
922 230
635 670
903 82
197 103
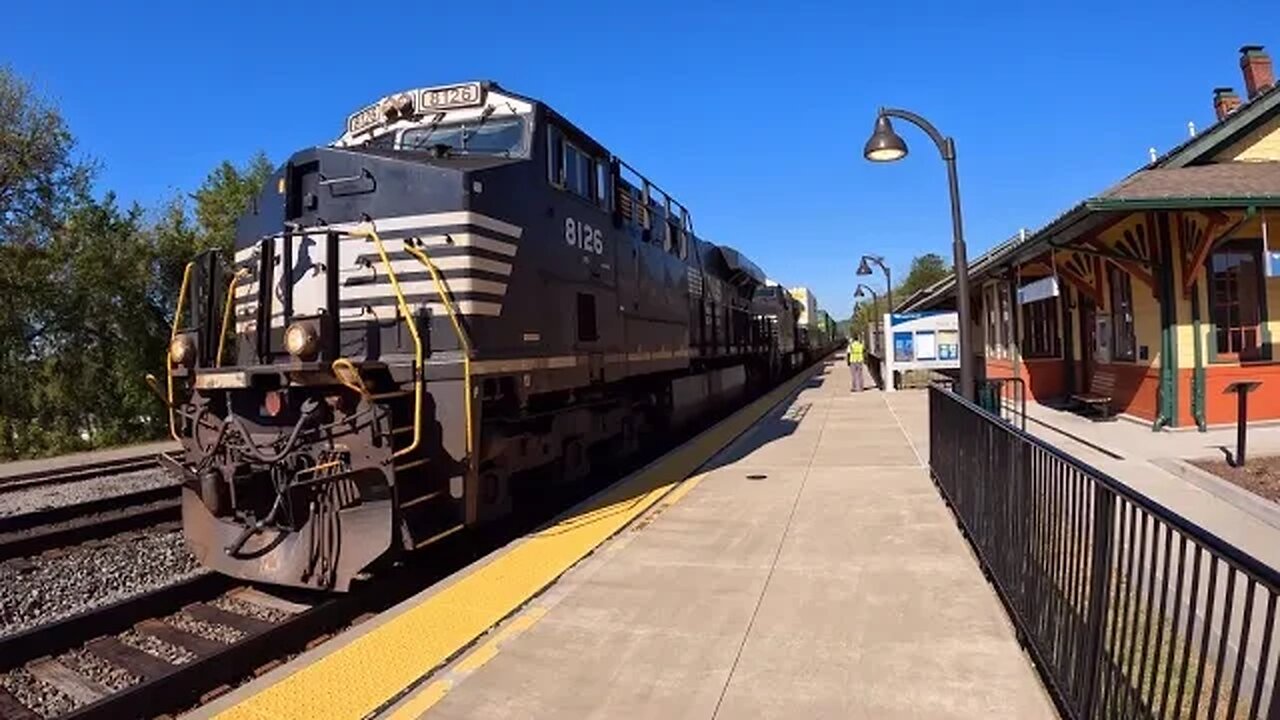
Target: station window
1040 337
999 332
1006 318
1124 343
992 326
1237 297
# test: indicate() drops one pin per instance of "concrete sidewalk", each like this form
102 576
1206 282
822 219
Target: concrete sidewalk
812 571
1147 462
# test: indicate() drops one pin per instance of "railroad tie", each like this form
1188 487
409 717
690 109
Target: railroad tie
140 663
11 709
218 616
261 599
71 683
198 644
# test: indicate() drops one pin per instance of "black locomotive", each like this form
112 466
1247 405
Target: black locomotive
462 296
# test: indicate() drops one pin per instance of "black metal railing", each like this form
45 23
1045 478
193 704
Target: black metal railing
1127 608
1005 398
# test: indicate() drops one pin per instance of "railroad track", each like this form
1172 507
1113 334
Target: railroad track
254 645
35 532
81 471
250 629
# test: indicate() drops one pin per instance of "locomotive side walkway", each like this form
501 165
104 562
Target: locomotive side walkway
810 570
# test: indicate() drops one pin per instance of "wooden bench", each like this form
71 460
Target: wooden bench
1101 387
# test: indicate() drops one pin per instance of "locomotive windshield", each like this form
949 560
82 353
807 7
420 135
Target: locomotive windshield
503 136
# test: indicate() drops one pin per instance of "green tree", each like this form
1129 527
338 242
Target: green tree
925 270
40 181
87 288
226 193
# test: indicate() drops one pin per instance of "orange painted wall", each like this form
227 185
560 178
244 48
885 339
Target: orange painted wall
1046 379
999 368
1220 408
1137 386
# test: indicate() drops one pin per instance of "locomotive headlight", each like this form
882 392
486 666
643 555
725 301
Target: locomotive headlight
302 340
182 350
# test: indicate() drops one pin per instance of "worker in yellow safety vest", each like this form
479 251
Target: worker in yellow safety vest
855 359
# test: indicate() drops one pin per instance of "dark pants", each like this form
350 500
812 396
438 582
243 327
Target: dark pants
855 369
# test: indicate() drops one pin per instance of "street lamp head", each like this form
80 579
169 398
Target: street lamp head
863 269
885 145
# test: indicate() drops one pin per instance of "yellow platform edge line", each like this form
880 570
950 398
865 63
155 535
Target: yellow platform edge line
360 677
418 702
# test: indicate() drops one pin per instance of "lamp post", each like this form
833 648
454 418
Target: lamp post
865 269
875 299
886 146
862 291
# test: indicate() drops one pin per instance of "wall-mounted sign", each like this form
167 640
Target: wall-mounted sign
1041 289
926 345
921 341
903 347
948 345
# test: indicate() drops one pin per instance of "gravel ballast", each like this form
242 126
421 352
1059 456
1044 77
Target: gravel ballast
41 589
240 607
45 700
155 646
42 497
94 668
213 631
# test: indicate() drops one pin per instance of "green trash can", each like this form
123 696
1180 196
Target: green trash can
989 398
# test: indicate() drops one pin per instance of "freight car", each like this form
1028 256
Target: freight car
463 297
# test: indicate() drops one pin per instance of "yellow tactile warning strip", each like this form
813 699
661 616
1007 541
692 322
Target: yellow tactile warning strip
361 676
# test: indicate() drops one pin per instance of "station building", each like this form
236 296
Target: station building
808 305
1158 292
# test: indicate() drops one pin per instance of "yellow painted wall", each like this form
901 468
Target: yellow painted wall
1261 144
1146 309
1186 329
1146 322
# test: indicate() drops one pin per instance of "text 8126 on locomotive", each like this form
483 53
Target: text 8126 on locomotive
463 296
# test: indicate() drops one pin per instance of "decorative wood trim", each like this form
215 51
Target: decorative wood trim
1211 237
1082 271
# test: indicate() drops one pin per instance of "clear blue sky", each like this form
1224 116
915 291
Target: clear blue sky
754 113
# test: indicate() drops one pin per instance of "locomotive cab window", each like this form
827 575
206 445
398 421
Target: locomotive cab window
571 168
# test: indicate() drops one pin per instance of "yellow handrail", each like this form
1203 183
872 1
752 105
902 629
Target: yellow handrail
349 375
463 340
226 313
372 234
168 355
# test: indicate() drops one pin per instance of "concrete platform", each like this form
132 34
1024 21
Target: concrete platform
806 569
813 572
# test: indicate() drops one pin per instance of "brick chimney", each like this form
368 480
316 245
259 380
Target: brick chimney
1258 73
1225 101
